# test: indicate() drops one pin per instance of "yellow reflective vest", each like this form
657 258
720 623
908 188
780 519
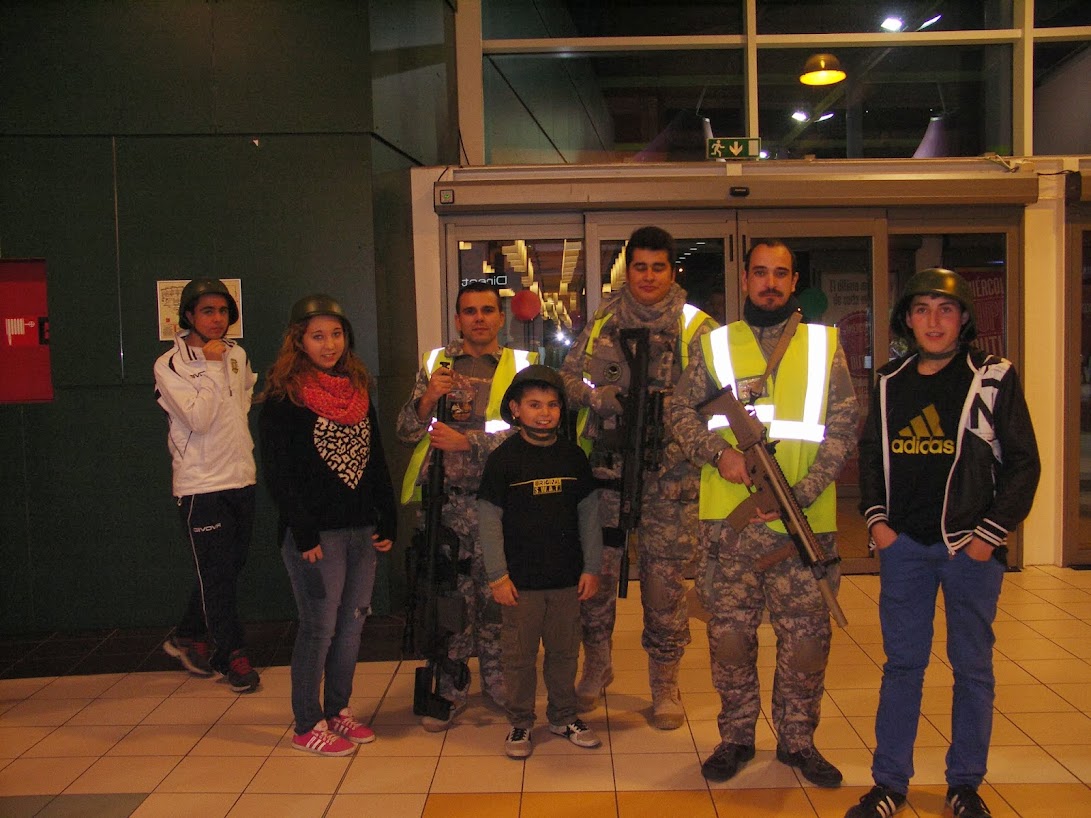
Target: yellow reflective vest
690 320
511 361
793 409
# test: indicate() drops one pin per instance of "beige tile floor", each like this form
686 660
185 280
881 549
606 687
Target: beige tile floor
163 744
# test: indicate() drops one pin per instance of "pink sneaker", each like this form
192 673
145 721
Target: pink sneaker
345 725
320 741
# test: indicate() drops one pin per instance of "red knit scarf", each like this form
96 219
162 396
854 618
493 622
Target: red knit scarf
334 398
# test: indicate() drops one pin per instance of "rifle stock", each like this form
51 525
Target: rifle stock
770 492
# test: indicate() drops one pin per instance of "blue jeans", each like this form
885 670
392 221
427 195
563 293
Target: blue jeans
332 595
910 574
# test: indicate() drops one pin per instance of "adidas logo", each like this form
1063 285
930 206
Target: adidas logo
923 435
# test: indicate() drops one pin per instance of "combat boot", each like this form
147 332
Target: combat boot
598 672
667 711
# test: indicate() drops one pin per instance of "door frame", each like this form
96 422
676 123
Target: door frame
1077 222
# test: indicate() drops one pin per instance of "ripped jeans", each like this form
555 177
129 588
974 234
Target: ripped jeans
332 595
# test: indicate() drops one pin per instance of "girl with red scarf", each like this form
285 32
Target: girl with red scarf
324 466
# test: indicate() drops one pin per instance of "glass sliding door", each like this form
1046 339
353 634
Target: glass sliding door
838 261
541 272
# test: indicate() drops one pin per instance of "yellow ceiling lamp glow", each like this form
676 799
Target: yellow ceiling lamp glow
822 69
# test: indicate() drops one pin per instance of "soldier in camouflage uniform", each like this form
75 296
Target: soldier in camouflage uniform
667 537
473 371
731 584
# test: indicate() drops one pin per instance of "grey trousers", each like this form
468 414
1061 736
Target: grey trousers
550 618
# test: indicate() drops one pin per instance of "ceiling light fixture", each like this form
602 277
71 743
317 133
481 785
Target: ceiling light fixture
822 69
892 24
800 116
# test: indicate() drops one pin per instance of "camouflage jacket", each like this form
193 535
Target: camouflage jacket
461 469
677 478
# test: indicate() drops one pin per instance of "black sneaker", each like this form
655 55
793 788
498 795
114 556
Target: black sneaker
193 655
811 765
726 760
878 802
240 676
964 802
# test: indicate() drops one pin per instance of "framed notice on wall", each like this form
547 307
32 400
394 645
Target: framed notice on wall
169 293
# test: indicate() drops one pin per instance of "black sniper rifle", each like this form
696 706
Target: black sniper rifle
436 609
770 493
642 441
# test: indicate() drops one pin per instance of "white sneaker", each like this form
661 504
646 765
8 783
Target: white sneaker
517 744
577 732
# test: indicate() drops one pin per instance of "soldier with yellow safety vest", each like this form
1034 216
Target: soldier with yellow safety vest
474 372
596 380
802 391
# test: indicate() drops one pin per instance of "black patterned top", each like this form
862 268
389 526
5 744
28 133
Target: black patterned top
325 475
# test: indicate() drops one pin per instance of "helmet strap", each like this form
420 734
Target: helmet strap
538 434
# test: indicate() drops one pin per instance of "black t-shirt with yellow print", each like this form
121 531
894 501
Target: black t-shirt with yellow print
539 489
922 414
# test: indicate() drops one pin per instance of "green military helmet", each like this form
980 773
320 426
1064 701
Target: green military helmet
533 374
205 286
318 304
935 281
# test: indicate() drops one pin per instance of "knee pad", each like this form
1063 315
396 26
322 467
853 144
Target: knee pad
733 648
656 593
808 655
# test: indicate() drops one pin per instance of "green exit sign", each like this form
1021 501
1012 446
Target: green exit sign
734 147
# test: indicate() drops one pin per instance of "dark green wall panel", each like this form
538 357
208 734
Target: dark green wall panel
104 68
16 544
102 523
58 204
288 216
141 141
185 67
288 67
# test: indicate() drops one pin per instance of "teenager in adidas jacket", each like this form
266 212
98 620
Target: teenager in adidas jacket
948 467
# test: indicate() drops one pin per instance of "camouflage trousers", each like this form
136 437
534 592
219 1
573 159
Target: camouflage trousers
480 635
736 593
662 584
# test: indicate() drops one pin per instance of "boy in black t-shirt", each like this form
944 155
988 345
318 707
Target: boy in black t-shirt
542 541
948 467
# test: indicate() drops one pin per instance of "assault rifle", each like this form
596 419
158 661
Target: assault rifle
642 441
770 493
436 608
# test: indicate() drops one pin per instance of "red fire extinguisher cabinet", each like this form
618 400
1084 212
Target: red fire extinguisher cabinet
25 373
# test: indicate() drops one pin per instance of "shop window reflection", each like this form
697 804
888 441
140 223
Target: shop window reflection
542 285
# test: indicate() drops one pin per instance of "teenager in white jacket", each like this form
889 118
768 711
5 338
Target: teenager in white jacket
205 385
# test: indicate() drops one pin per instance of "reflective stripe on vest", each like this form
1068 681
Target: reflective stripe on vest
511 361
690 320
795 417
809 426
